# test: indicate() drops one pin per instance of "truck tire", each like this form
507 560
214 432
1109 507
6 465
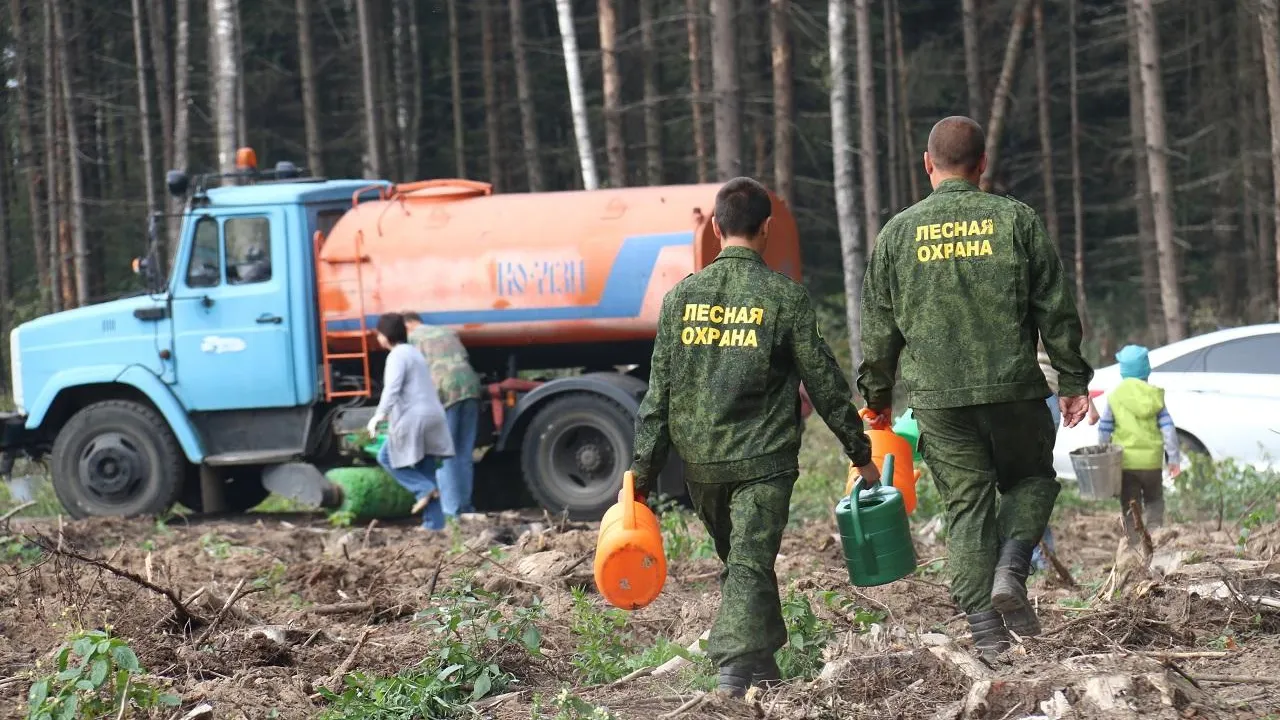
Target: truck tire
575 452
117 457
244 490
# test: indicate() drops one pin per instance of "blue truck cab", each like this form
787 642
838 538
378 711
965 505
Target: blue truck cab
210 388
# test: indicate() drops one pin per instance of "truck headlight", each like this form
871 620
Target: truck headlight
15 362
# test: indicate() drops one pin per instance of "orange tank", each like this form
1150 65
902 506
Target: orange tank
523 269
630 565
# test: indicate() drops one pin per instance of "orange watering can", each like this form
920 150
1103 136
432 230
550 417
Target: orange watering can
630 566
885 441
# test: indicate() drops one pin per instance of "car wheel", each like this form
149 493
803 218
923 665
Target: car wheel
1188 446
117 457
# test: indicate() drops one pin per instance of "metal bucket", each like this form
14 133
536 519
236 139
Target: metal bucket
1098 469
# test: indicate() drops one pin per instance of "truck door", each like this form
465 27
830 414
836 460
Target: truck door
231 323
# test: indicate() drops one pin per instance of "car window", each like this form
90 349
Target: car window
205 266
248 250
1259 354
1191 362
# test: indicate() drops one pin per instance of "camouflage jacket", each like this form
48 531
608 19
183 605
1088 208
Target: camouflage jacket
959 288
734 341
450 370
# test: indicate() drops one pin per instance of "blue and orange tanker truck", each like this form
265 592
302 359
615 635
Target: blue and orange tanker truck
241 371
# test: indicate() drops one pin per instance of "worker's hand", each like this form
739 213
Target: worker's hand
878 419
1073 409
870 473
373 424
1175 469
641 496
1093 413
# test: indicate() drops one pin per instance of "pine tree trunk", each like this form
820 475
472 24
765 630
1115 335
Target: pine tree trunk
401 62
614 145
972 57
79 242
751 89
369 87
455 80
696 99
51 166
242 128
1046 126
842 158
490 79
1158 166
1077 180
413 144
1142 192
144 109
1267 23
577 101
27 147
891 110
159 26
181 115
914 166
528 113
222 19
6 257
652 108
783 101
869 151
310 96
995 127
724 86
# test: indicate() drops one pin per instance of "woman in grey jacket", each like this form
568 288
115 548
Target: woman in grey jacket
418 434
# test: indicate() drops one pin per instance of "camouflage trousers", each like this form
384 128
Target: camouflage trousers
745 520
975 453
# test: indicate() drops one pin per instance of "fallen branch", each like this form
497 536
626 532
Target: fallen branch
699 577
181 614
235 596
1239 679
692 704
340 608
1063 573
497 700
679 661
345 666
4 519
962 661
576 563
435 578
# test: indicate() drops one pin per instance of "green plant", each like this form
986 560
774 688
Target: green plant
96 675
603 647
342 518
568 706
807 636
1224 491
14 549
215 546
682 536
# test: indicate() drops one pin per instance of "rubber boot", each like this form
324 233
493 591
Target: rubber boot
990 637
767 674
1009 591
734 680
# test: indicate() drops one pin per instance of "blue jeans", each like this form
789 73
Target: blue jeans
419 479
1038 560
457 474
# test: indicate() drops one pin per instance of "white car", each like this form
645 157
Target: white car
1222 390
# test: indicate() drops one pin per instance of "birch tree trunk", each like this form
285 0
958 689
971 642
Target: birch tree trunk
867 117
372 150
972 57
724 85
159 25
652 109
1267 24
237 57
144 109
1046 125
490 80
310 96
783 101
401 62
842 159
577 101
181 115
891 110
528 113
79 243
27 148
614 146
1142 191
1077 180
1158 166
455 79
224 82
693 25
995 127
915 165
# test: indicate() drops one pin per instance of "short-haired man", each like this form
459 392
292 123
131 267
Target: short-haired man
734 341
959 287
459 388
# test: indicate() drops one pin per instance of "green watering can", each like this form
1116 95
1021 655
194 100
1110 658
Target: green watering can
875 532
907 427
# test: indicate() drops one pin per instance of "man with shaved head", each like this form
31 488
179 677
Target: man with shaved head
958 290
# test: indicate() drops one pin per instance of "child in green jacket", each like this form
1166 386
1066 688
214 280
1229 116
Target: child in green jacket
1137 420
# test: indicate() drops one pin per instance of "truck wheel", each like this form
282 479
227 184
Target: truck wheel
574 454
117 457
244 490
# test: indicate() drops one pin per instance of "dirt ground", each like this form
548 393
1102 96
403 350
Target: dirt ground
1191 631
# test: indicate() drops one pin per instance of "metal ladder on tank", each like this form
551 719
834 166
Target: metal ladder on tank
327 356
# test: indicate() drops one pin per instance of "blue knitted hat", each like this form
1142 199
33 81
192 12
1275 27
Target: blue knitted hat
1134 362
